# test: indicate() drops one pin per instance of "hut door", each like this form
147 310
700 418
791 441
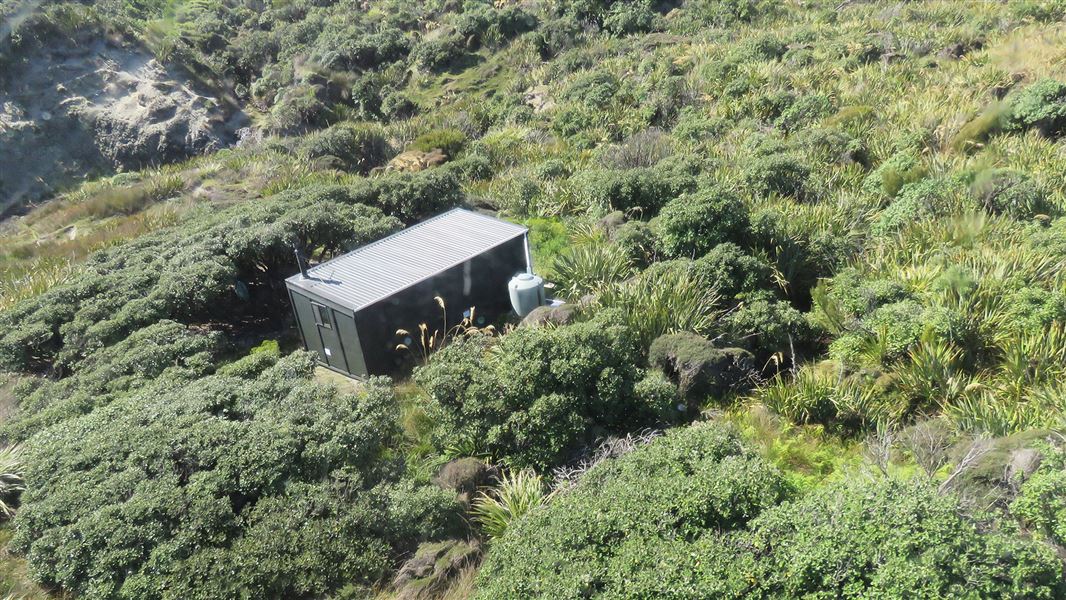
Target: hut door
332 351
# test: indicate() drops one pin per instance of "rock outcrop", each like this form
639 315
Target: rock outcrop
75 110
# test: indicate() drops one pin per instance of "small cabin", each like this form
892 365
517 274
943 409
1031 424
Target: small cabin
349 309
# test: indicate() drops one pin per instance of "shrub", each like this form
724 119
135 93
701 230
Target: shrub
700 369
892 330
732 271
890 538
638 241
695 512
781 174
1011 193
624 18
694 126
768 327
536 395
626 518
163 351
181 490
849 296
359 147
186 272
1041 503
490 26
350 49
1033 309
638 190
594 90
450 141
557 35
804 111
472 167
437 54
916 201
656 389
640 150
412 196
833 146
890 176
398 106
1041 106
298 110
694 224
722 13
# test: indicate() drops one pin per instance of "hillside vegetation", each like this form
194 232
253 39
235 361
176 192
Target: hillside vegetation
813 255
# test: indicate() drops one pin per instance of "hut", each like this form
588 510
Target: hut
349 309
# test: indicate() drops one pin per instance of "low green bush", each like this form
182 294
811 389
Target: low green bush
180 490
804 111
1011 193
691 225
641 191
1040 106
538 394
889 538
892 330
411 196
438 53
594 89
397 106
624 18
299 110
733 272
191 271
628 519
768 328
700 369
451 141
694 126
360 147
781 174
163 351
1033 309
1041 503
639 241
832 146
891 175
916 202
486 25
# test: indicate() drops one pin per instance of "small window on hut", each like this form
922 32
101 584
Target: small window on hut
321 315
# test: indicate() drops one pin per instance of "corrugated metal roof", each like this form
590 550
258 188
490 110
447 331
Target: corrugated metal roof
382 268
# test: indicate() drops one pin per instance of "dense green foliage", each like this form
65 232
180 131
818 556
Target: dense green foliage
895 539
697 514
1041 505
538 394
623 528
225 486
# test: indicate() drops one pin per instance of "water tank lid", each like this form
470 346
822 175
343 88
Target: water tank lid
524 277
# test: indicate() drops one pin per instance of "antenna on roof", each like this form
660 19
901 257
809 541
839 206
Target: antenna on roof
299 261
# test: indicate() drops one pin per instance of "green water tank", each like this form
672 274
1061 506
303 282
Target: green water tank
527 293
